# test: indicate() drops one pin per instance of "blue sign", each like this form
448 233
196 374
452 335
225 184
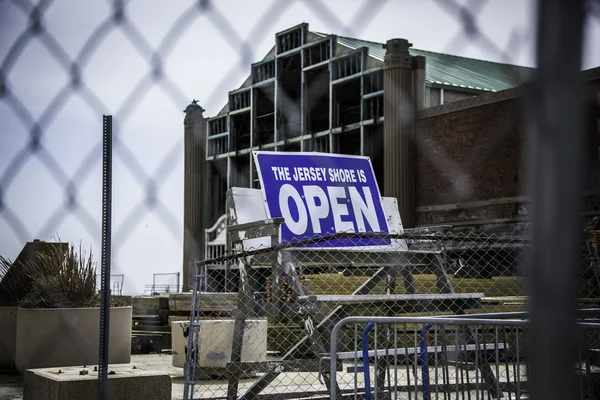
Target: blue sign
321 194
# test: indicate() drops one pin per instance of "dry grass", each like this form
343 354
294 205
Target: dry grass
495 287
61 279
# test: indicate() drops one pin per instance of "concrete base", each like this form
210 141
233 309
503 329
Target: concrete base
68 384
58 337
8 338
216 341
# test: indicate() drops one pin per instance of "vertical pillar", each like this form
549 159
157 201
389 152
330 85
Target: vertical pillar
419 81
194 173
398 132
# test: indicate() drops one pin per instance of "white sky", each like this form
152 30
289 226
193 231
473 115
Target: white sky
150 123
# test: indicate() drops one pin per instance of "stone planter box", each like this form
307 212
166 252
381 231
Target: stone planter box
216 341
60 337
8 338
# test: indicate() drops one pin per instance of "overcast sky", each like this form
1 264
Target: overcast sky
206 58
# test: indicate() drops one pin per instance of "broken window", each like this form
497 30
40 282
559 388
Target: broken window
240 171
374 82
218 138
217 170
347 66
240 131
317 100
288 101
289 40
317 53
318 144
346 103
349 142
264 108
262 72
238 101
292 147
373 109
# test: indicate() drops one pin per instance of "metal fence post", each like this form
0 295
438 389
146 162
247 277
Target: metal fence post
556 131
106 254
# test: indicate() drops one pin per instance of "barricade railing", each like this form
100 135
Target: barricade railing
290 296
459 357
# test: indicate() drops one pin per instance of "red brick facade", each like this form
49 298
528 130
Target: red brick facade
473 151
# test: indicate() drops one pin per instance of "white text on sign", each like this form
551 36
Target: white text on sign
317 174
346 205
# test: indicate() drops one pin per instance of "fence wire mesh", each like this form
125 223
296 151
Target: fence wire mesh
472 272
298 291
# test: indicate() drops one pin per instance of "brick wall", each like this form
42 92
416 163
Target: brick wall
469 155
474 151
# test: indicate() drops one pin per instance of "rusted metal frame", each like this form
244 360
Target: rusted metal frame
326 323
252 230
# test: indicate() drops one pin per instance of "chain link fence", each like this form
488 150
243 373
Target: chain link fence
299 291
295 296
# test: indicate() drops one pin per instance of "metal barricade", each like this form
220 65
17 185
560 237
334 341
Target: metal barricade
461 357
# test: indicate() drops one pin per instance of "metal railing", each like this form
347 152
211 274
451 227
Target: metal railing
448 357
300 290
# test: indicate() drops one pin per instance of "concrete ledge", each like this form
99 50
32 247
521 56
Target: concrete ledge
57 337
69 384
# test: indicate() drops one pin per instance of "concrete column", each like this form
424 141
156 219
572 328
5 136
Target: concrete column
398 132
419 81
194 174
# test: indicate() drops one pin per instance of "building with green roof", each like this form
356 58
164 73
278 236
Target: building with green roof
322 92
313 86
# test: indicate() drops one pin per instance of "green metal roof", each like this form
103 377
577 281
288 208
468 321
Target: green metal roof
440 69
451 70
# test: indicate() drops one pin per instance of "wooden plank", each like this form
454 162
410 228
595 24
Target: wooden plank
210 301
382 298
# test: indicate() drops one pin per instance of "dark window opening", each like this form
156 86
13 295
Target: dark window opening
349 142
238 101
240 131
255 179
346 105
317 53
347 66
374 82
321 144
264 106
374 150
288 102
218 189
218 126
292 147
317 100
373 108
218 144
288 41
240 171
262 72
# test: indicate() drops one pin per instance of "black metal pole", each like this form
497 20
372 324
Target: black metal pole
106 253
556 143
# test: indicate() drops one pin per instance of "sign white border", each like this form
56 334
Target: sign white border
319 154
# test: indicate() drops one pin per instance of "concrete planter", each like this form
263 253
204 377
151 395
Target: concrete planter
216 341
60 337
8 338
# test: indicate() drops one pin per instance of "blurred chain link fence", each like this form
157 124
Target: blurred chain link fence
299 291
442 272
